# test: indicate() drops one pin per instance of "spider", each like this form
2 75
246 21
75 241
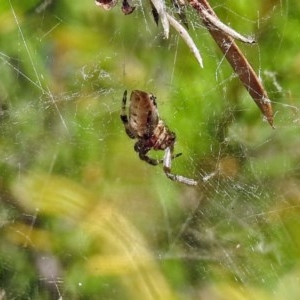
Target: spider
143 123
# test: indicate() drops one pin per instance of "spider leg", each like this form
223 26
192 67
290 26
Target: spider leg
149 160
167 161
153 161
142 150
124 118
176 155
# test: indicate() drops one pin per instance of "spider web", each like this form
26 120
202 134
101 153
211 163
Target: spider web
82 216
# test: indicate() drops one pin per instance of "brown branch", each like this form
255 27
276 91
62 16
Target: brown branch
236 59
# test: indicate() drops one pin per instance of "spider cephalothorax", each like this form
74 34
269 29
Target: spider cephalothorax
143 123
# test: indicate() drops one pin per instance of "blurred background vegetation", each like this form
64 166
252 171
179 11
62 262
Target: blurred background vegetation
81 217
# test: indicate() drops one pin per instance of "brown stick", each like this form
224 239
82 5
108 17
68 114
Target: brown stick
236 59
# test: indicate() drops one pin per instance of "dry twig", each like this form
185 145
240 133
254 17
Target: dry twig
235 57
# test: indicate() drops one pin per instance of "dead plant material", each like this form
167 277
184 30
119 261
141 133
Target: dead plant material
239 63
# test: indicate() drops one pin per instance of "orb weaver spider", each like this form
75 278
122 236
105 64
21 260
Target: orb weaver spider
143 123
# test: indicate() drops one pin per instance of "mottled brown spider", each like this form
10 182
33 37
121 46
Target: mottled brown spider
143 123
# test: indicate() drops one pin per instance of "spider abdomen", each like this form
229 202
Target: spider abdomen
143 114
162 137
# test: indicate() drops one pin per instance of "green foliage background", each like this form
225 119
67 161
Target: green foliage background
81 217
